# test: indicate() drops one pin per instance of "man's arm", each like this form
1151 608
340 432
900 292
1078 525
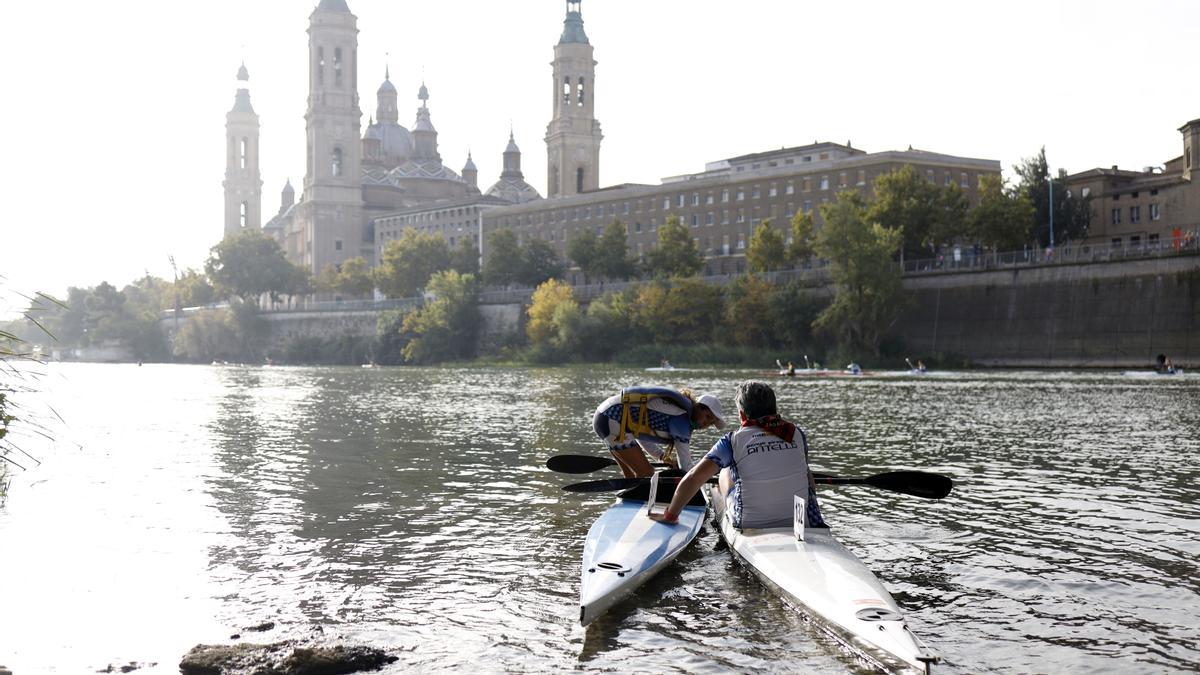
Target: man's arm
697 476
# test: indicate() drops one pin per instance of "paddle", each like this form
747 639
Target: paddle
916 483
583 463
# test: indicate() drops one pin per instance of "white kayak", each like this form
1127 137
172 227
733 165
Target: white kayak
625 548
1153 373
834 588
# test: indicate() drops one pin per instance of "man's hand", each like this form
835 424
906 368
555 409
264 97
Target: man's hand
665 517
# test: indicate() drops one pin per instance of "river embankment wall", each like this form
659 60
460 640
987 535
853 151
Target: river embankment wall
1097 314
1101 314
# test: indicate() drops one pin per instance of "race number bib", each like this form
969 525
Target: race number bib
799 515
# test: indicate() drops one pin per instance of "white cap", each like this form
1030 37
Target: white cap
711 402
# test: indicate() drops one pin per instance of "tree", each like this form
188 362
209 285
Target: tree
195 290
447 326
247 264
951 221
747 312
868 294
552 303
613 260
539 262
803 231
1072 215
676 253
354 278
767 250
409 262
327 280
907 202
1001 219
502 259
583 250
465 258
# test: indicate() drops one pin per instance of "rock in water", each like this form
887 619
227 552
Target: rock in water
281 658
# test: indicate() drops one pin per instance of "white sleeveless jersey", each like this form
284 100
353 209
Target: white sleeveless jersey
769 472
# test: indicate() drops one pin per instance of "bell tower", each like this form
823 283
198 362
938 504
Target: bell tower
573 135
331 218
243 183
1191 148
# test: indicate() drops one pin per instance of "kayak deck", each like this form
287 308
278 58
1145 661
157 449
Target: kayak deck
823 579
624 549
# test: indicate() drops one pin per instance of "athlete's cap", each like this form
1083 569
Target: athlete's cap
711 402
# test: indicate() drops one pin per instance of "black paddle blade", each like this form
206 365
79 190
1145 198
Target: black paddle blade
606 485
916 483
578 463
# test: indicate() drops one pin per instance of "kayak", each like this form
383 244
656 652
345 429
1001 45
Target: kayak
1153 373
625 548
823 579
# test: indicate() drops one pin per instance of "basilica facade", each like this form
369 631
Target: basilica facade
357 180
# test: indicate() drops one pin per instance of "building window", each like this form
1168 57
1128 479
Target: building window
741 241
808 206
808 185
679 201
1116 216
1135 214
725 217
790 189
337 244
337 161
962 180
695 220
741 195
320 65
708 198
709 219
245 150
580 90
245 213
725 244
724 195
842 179
946 178
824 182
741 216
626 208
1152 240
666 203
929 175
755 194
862 177
579 179
1116 242
637 226
695 199
1086 192
337 67
566 92
1154 212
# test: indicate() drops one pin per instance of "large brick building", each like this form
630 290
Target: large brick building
1154 207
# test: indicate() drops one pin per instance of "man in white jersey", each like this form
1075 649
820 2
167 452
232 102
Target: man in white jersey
763 464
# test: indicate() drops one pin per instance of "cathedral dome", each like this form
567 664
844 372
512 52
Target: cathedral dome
396 143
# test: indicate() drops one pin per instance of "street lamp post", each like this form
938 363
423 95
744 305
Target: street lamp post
1051 179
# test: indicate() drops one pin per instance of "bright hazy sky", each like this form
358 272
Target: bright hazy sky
113 121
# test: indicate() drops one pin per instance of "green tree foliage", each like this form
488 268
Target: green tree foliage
803 233
408 263
539 262
926 214
195 289
552 305
354 278
1002 217
447 326
608 325
502 259
676 254
104 316
868 295
613 259
465 258
767 250
1072 214
236 333
584 250
748 318
327 280
684 310
248 264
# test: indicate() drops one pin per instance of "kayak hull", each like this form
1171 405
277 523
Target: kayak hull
624 549
823 579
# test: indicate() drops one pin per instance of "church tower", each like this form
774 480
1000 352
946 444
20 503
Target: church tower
573 135
243 184
1191 148
331 219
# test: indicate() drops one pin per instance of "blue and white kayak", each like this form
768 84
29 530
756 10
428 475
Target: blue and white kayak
625 548
825 581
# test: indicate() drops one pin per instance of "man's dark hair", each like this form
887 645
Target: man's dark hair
756 399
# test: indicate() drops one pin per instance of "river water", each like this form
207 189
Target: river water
410 509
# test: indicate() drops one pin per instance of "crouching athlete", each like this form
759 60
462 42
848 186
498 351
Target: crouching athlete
762 464
647 418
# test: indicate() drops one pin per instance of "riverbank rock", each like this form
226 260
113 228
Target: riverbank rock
281 658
